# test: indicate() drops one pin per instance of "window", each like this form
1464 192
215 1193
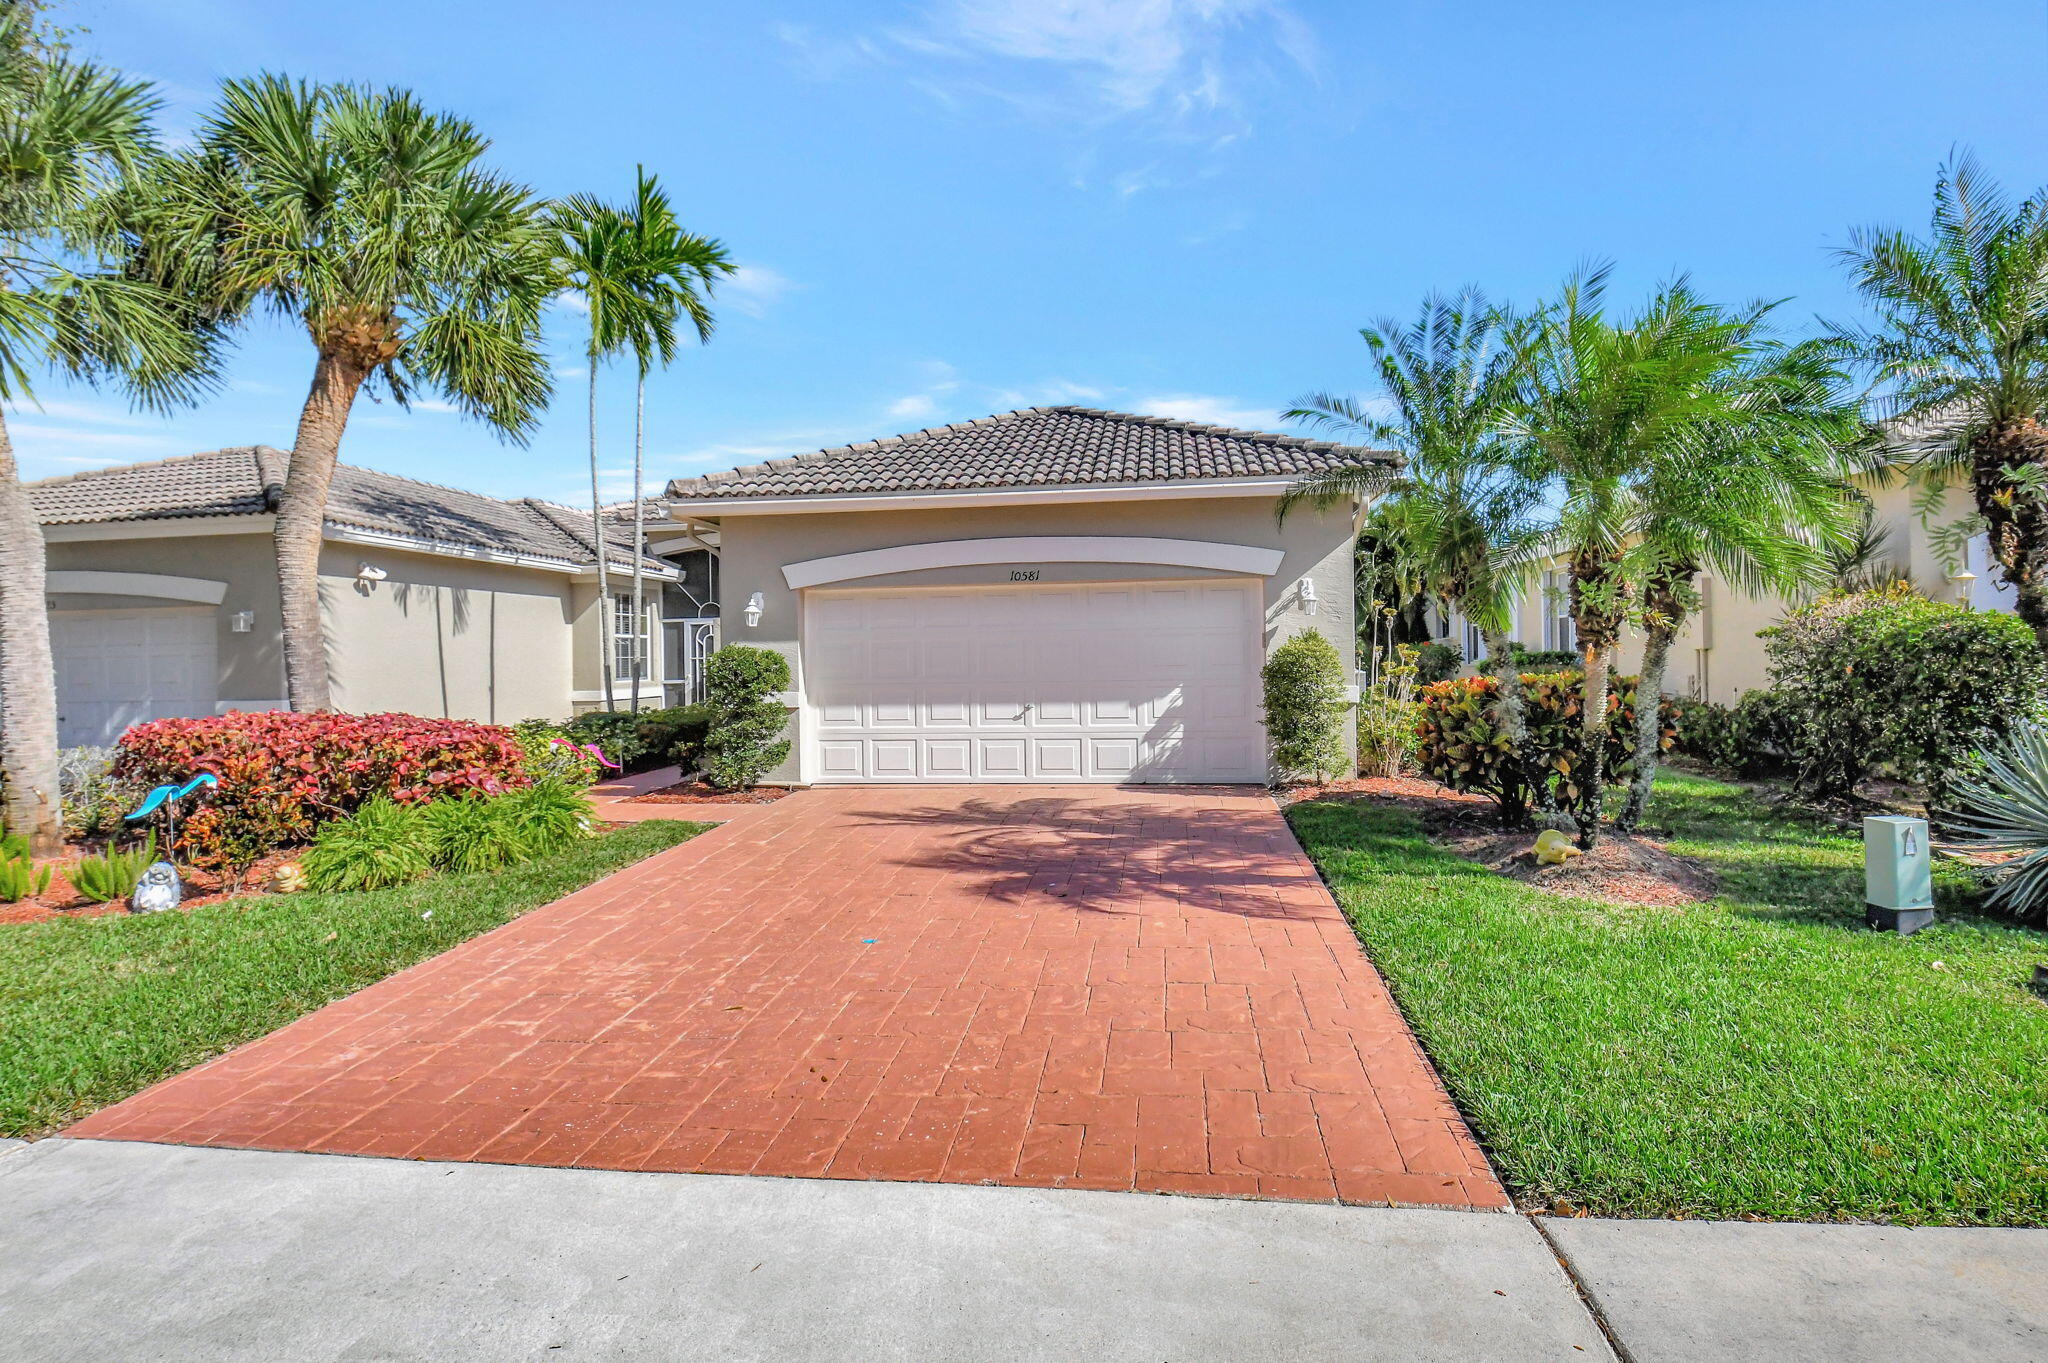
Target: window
629 645
1475 643
1557 610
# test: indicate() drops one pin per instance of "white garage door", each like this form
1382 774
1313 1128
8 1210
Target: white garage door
119 667
1138 681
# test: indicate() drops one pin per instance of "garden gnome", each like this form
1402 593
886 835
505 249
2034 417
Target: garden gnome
159 889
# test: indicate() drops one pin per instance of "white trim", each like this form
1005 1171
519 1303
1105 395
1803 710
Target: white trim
160 528
909 558
382 539
163 586
649 690
1016 496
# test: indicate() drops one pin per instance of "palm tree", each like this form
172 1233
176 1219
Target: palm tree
1758 492
681 269
1601 404
1461 521
69 131
1960 344
371 222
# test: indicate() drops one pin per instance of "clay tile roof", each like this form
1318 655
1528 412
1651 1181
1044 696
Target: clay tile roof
247 480
1038 446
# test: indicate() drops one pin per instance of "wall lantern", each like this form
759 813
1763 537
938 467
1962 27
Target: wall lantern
1962 583
1307 591
241 622
754 607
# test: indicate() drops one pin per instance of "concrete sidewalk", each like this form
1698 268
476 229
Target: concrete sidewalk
119 1251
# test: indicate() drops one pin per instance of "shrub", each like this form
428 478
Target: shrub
472 835
1750 738
2004 809
1888 679
549 753
105 879
1534 659
1388 715
1437 662
544 817
1461 745
94 800
743 741
1304 708
283 774
382 844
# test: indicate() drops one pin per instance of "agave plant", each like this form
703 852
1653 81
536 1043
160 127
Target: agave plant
2004 809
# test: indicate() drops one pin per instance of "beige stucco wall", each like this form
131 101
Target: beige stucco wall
251 672
1316 545
446 637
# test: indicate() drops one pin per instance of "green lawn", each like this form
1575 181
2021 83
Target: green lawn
94 1009
1760 1055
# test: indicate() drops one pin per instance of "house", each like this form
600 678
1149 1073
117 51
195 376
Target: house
164 601
1057 594
1718 656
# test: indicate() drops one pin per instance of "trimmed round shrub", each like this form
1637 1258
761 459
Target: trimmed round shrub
743 741
282 774
380 845
1888 680
1304 708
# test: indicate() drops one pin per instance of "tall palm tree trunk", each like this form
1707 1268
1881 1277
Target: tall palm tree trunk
1649 735
1511 715
604 582
2016 517
1593 736
28 675
639 532
301 526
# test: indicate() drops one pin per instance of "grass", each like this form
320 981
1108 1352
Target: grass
1761 1055
94 1009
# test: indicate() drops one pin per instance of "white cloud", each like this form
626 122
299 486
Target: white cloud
57 410
753 289
570 301
1209 410
915 407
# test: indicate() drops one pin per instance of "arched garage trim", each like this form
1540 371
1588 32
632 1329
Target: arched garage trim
910 558
160 585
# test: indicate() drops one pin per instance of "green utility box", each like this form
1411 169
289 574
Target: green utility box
1898 874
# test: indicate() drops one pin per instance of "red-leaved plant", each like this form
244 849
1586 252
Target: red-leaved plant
283 773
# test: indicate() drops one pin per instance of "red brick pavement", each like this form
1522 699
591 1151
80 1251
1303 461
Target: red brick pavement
1078 987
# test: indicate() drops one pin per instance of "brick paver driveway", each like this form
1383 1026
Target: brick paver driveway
1080 987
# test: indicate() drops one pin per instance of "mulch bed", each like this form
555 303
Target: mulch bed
1620 868
697 793
201 888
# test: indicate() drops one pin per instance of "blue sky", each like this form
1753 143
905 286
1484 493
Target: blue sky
1186 207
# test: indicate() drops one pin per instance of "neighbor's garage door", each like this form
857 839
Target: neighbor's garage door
119 667
1140 681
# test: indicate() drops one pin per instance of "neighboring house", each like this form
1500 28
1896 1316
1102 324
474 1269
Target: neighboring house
1718 656
1051 595
163 597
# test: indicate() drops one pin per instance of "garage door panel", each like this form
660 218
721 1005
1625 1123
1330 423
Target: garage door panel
117 668
1097 682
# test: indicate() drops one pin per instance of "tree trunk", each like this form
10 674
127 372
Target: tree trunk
2015 516
604 582
1593 736
28 676
301 526
1511 715
1649 744
639 535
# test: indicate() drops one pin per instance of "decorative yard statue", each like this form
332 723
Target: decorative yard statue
1554 848
159 889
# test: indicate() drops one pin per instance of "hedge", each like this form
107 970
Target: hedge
284 773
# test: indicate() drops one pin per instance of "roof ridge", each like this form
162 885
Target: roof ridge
1210 428
253 451
886 442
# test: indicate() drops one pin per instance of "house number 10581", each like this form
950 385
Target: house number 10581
1023 574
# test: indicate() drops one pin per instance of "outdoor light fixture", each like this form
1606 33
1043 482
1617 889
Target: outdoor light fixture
1962 583
241 622
1308 596
369 573
754 607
